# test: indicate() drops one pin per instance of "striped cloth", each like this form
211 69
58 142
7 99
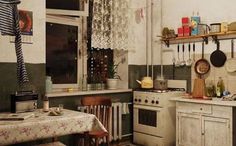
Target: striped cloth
9 25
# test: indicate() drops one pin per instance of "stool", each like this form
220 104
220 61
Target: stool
56 143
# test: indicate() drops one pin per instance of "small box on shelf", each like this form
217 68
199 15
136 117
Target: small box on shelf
180 32
187 30
185 21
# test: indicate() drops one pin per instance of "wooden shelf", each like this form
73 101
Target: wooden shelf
199 38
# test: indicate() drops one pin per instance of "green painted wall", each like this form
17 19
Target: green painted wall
8 81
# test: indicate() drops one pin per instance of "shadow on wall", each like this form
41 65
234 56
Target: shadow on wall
136 72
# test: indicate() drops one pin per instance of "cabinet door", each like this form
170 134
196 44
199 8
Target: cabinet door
188 129
216 131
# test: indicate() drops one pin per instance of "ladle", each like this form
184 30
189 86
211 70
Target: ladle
178 60
189 61
183 62
193 52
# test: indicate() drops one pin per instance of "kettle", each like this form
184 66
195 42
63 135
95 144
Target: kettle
146 82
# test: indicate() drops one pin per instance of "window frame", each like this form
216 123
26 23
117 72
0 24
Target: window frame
82 11
74 21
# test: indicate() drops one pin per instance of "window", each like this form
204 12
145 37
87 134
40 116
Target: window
63 50
67 7
97 64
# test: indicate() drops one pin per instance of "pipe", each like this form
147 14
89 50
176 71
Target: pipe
147 37
151 38
161 44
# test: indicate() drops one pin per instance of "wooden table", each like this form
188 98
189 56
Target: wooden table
44 126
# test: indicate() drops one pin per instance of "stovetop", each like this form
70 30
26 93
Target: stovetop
160 91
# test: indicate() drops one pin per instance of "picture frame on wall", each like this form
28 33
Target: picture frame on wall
26 27
26 22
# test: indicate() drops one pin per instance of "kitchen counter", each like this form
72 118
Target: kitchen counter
90 92
214 101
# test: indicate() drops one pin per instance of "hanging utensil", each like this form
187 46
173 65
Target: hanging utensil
178 60
202 66
193 52
218 57
189 61
230 64
183 61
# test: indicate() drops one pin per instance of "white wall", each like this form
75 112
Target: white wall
33 53
137 52
210 11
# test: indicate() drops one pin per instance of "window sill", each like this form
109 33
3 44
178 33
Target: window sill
75 93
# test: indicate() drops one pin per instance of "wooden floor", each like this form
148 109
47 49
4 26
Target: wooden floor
123 143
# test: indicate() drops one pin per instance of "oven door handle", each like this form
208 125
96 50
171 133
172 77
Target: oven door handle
147 107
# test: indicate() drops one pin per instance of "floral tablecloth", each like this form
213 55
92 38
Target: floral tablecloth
44 126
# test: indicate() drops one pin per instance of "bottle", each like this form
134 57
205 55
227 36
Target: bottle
45 104
220 88
195 20
210 89
48 84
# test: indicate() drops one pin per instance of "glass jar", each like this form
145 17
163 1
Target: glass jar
48 84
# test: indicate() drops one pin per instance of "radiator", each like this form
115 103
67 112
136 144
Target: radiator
115 129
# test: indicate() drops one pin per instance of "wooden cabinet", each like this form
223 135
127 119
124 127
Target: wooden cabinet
203 125
215 131
189 129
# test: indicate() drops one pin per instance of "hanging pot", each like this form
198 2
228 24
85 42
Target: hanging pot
218 57
202 66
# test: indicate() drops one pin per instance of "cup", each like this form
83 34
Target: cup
61 107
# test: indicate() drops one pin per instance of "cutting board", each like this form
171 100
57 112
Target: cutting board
16 117
198 88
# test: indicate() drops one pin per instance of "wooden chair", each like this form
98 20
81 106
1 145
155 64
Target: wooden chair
101 107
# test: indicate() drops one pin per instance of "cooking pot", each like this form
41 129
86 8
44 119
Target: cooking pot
146 82
202 66
218 57
160 84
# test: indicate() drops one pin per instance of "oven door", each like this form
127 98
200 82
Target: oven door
148 119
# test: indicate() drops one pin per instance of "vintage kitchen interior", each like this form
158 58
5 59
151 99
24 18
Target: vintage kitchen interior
117 73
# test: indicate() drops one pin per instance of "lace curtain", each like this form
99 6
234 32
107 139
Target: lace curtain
110 24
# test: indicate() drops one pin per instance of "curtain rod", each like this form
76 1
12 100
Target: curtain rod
9 2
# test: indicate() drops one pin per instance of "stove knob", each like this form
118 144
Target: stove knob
157 102
139 100
153 102
135 99
146 101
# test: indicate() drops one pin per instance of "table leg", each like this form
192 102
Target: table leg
86 139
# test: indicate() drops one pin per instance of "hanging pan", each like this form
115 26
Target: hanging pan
202 66
230 64
218 57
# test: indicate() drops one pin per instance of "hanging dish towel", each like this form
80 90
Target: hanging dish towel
9 25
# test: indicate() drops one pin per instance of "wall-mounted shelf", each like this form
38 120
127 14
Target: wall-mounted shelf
216 37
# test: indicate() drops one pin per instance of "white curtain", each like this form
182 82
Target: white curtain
110 24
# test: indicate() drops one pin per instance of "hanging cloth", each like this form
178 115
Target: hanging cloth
110 24
9 25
